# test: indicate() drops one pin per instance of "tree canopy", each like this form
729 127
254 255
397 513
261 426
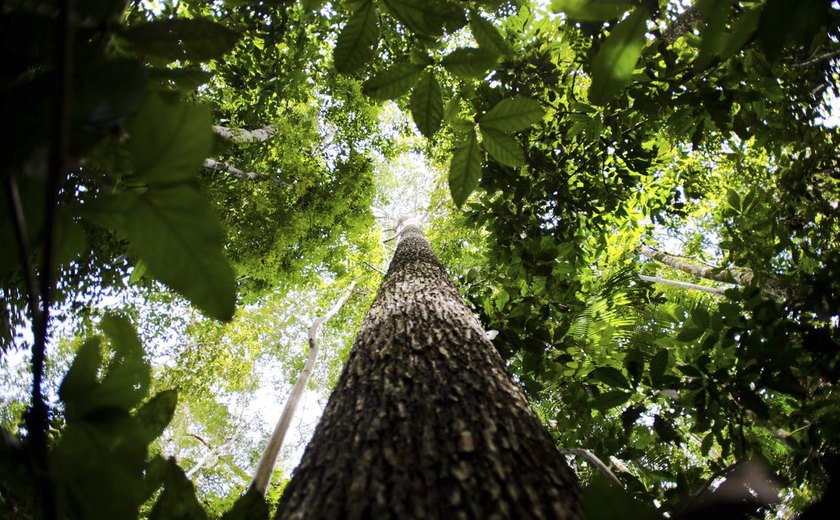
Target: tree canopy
640 197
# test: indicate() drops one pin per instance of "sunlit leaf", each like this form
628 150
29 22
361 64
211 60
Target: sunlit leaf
488 37
502 147
357 42
468 62
613 66
393 82
592 10
512 115
198 39
465 169
427 104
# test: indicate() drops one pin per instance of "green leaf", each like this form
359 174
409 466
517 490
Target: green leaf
689 334
603 500
81 379
156 414
198 39
426 17
665 429
468 62
427 104
592 10
502 147
658 365
358 40
392 82
609 375
127 378
611 399
713 36
176 232
742 30
613 66
512 115
488 37
250 506
137 273
184 79
465 169
169 139
178 498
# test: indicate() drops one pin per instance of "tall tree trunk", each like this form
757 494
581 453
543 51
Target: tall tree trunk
425 421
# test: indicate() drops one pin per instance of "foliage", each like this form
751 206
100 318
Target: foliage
567 140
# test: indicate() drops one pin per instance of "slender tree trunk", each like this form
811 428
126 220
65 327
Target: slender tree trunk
425 421
265 467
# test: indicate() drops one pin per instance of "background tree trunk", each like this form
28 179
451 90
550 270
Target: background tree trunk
425 421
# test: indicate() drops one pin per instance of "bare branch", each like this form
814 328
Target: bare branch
212 164
824 57
598 463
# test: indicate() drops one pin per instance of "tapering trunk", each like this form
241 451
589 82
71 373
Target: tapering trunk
425 421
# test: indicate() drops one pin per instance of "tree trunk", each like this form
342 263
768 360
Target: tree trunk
425 421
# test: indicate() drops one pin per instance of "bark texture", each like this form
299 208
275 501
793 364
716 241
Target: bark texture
425 421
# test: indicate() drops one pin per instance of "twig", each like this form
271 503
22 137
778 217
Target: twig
817 59
378 270
23 247
591 457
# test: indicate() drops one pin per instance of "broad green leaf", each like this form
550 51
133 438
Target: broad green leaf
169 139
665 429
178 499
613 66
689 334
358 40
742 29
250 506
81 379
609 375
425 17
427 104
502 147
592 10
197 39
392 82
127 378
155 415
512 115
175 231
603 500
713 36
611 399
658 365
185 79
465 169
488 37
137 273
468 62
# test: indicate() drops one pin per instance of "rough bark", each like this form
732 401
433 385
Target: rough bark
425 421
265 467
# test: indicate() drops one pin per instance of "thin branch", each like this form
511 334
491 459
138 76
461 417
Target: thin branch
265 467
591 457
23 247
241 135
682 24
212 164
823 57
371 266
720 291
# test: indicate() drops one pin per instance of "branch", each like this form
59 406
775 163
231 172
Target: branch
265 467
817 59
588 455
684 285
212 164
734 275
241 135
